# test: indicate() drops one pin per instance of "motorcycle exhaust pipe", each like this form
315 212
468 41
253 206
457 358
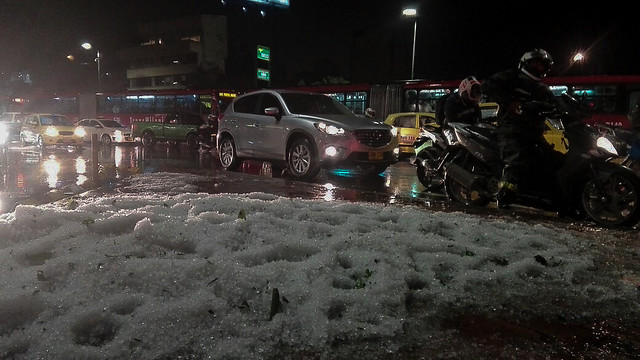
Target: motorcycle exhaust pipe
460 175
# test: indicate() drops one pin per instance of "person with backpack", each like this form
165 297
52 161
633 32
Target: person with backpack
463 106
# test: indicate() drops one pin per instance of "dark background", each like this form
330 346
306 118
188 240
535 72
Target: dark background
356 40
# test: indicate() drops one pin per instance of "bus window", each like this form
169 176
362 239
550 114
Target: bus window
146 104
558 90
187 103
130 104
410 100
428 99
356 101
109 104
206 104
596 98
165 103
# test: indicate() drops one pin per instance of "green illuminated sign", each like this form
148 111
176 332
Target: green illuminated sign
264 53
263 74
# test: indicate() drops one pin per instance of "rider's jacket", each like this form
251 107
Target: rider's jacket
514 91
456 110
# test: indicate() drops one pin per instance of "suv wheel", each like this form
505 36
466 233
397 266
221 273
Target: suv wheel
148 139
302 160
106 139
227 154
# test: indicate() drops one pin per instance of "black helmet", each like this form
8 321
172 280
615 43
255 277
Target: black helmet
536 63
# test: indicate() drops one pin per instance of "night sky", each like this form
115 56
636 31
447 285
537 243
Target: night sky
360 40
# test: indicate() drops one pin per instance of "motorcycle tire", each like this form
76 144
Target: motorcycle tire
614 200
429 178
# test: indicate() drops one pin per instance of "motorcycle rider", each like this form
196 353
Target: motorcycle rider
370 113
463 105
519 93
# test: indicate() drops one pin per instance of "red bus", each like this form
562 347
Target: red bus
609 97
129 106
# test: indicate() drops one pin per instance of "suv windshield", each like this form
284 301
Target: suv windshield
56 120
314 104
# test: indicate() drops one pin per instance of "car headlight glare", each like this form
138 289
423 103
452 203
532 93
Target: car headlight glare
51 131
117 135
330 129
80 132
394 131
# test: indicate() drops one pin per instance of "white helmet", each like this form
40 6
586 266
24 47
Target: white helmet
470 90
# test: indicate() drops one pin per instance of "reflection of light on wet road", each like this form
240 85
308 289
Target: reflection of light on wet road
118 156
81 165
52 168
81 169
330 194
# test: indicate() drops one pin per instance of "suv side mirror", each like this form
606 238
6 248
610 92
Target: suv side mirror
273 111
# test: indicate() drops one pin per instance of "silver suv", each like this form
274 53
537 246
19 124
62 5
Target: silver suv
305 131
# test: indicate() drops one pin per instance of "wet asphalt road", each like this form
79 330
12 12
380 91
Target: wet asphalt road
30 173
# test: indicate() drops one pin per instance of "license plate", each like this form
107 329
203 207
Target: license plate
376 155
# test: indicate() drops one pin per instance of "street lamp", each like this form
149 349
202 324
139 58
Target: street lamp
412 13
87 46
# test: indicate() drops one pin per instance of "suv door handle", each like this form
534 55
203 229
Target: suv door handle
257 124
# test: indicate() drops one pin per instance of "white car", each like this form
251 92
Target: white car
108 131
304 131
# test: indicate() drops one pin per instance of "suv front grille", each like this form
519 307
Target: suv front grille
373 137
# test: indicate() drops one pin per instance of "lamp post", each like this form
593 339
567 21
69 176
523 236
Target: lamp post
412 13
88 46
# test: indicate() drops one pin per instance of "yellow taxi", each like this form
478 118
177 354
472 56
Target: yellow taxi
50 129
408 125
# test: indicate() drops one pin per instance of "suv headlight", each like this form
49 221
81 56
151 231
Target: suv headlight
394 131
330 129
51 131
79 131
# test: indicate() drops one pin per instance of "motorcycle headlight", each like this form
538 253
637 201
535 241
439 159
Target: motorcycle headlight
606 145
51 131
330 129
79 131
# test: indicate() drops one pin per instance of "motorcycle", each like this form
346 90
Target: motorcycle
588 184
432 150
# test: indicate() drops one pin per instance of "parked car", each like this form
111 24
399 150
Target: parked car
408 125
175 128
305 131
50 129
12 123
108 131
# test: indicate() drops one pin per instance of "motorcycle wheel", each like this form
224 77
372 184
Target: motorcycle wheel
460 193
617 204
428 176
